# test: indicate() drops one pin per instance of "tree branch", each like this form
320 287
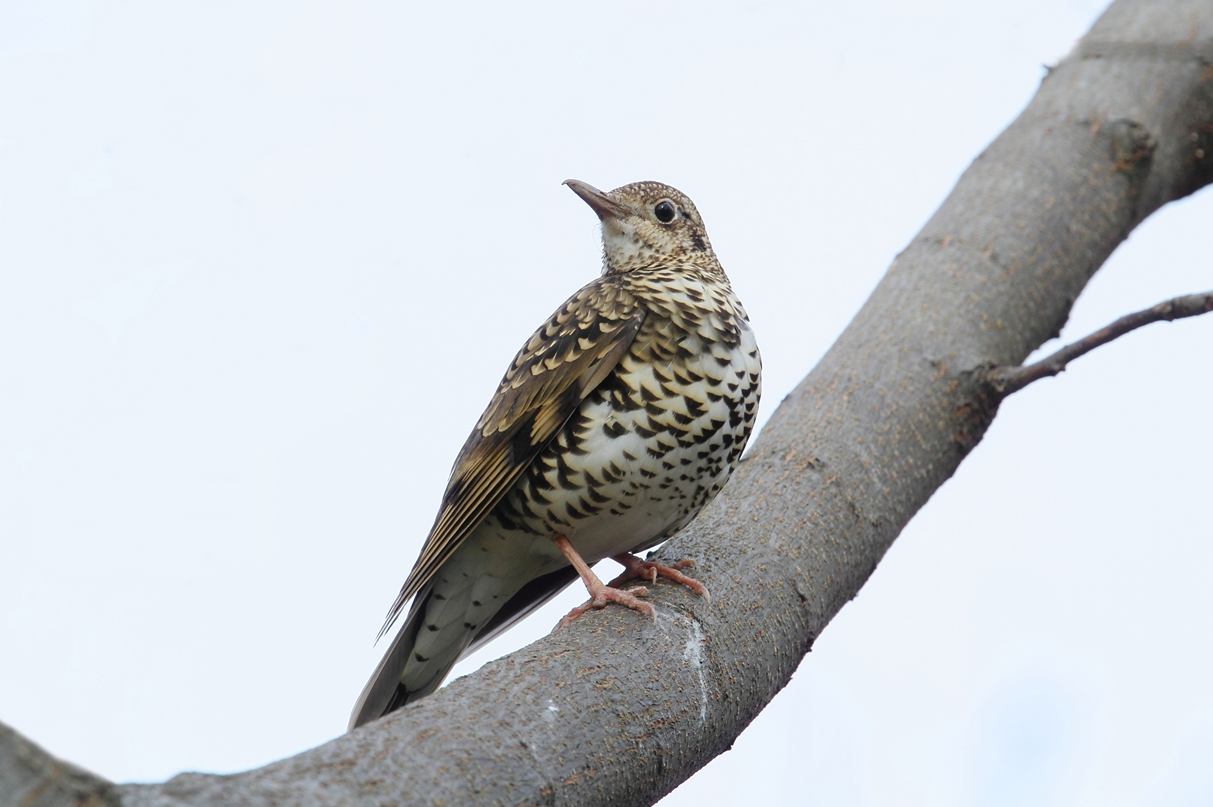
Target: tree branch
1009 380
30 777
617 710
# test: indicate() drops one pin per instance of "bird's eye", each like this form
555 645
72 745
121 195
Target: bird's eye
665 211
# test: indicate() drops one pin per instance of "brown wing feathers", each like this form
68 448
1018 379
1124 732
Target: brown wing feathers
570 355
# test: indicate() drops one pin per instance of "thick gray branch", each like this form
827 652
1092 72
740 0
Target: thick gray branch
618 710
30 777
1009 380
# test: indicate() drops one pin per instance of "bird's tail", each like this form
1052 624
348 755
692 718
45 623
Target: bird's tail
386 691
429 658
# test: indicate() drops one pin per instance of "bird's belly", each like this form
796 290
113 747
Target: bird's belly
648 520
631 469
610 500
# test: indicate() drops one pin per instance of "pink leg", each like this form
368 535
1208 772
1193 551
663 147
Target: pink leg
600 594
636 569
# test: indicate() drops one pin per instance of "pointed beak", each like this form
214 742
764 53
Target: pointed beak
603 205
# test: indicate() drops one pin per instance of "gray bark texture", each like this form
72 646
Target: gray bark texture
618 710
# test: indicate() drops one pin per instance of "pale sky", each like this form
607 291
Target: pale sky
262 264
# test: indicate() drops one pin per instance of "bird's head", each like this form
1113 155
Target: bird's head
646 223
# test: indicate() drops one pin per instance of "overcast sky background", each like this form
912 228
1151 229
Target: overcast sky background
262 264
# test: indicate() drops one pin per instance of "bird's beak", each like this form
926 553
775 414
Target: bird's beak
603 205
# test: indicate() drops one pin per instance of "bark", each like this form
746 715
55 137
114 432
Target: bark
618 710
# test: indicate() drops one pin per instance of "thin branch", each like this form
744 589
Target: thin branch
1009 380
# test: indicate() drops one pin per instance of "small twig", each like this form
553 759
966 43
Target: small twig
1008 380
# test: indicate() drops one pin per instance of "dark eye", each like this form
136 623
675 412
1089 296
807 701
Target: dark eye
665 211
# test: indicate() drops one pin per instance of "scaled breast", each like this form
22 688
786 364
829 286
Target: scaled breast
658 438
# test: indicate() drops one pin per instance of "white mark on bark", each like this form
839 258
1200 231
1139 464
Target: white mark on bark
549 714
693 655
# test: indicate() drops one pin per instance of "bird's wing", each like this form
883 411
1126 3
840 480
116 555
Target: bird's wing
570 355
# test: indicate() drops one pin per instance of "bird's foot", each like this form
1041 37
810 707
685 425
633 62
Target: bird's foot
600 593
636 569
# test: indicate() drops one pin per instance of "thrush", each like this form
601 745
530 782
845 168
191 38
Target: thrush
621 417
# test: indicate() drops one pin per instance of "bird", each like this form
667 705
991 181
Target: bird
616 423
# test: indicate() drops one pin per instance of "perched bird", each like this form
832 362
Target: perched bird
620 418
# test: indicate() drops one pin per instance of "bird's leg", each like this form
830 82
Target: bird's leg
636 569
600 594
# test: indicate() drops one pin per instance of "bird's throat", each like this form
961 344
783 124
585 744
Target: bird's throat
623 250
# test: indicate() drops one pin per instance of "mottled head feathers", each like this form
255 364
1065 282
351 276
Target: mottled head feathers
647 223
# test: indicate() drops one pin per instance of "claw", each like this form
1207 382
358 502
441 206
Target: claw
636 569
601 594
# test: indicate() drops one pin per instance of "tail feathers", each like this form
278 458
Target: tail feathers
529 599
392 685
404 696
418 660
385 690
